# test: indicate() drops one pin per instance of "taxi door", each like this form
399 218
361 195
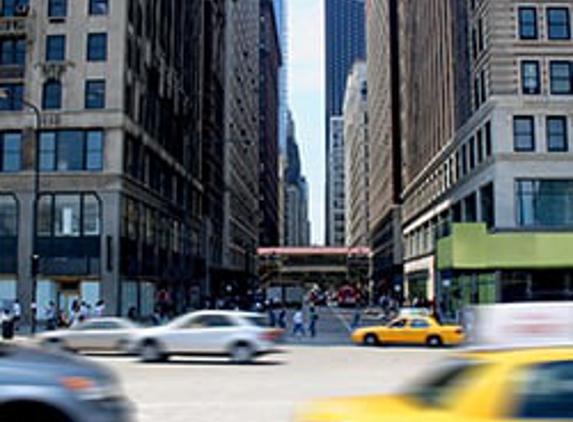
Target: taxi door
395 331
418 331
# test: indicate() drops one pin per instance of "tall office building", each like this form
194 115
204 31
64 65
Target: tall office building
486 131
385 143
336 219
269 111
241 148
296 225
114 150
357 158
345 39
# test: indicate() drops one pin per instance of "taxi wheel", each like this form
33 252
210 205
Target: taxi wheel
371 340
434 341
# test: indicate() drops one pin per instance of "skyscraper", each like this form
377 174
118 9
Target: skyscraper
385 142
345 40
356 158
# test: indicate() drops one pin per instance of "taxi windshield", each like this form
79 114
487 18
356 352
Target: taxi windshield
436 389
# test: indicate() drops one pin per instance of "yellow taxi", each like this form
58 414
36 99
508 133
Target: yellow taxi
411 329
496 385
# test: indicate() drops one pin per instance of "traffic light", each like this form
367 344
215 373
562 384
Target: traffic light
35 264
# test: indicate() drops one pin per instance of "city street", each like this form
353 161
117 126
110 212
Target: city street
211 389
269 390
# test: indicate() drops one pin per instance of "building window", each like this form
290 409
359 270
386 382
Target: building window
487 200
488 139
13 7
94 150
10 152
530 78
99 7
558 25
528 23
523 133
52 95
14 100
561 78
544 203
13 52
57 8
55 48
69 215
8 216
71 150
97 47
557 133
95 94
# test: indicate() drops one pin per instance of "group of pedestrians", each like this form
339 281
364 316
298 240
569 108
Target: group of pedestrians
299 322
79 311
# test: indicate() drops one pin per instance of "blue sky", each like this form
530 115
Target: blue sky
306 98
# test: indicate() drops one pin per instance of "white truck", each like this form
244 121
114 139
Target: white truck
515 324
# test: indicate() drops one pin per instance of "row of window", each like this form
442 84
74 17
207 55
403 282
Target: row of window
544 203
557 18
56 8
13 50
61 151
557 133
477 206
96 50
94 94
560 77
69 215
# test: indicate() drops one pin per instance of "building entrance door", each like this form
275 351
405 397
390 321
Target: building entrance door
68 293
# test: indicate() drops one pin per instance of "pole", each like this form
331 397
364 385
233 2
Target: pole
35 258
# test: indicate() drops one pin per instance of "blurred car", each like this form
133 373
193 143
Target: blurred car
101 334
239 335
41 386
493 385
415 329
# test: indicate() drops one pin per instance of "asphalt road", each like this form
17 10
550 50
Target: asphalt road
197 390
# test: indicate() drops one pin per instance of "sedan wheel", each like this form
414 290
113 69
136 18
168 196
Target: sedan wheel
241 353
150 352
54 345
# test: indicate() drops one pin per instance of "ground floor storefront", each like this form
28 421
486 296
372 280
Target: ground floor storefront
475 266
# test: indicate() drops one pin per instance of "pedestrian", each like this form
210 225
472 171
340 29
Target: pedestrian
51 317
7 325
282 319
272 316
84 310
99 308
313 317
356 318
132 313
16 313
298 323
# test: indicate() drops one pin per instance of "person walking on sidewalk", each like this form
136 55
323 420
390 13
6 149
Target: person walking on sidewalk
313 317
282 318
16 313
298 323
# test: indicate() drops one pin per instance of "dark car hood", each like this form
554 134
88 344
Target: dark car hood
33 360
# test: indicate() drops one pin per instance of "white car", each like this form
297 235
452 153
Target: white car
97 334
238 335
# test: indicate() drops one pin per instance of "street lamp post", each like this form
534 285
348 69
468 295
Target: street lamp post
34 257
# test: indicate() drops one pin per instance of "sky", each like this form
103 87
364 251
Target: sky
306 99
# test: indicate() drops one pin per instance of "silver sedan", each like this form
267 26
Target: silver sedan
95 334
